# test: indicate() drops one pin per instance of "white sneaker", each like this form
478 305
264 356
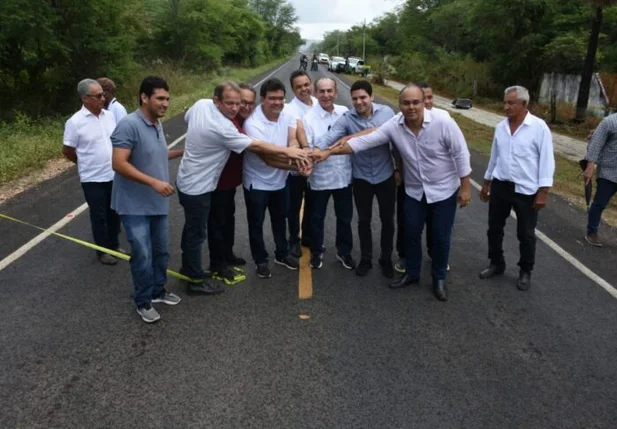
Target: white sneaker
399 267
168 298
148 313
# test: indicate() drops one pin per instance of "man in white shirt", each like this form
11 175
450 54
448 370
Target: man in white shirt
210 137
265 186
437 169
518 177
87 143
329 178
111 103
301 104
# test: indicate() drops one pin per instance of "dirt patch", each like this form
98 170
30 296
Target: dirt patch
52 168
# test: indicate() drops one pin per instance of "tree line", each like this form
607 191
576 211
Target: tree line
47 46
481 46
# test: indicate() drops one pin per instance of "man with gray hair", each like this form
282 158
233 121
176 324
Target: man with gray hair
519 177
87 143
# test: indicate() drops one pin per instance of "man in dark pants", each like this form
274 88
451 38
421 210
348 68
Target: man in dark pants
87 143
221 222
373 175
302 102
601 151
436 167
519 176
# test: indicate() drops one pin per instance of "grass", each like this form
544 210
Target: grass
566 182
26 144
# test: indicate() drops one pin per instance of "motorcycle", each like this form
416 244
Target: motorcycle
314 65
303 64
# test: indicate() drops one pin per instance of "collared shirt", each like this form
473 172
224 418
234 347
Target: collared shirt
602 148
117 109
298 109
434 161
525 157
89 135
209 139
436 111
258 174
148 146
334 172
373 165
231 176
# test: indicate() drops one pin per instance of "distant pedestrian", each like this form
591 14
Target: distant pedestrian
601 152
518 177
141 194
111 103
87 143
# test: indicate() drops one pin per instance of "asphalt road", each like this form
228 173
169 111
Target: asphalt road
75 354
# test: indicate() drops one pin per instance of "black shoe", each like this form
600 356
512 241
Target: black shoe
316 260
403 281
346 261
363 267
386 268
204 288
524 280
288 261
492 271
440 290
295 250
206 275
263 270
235 261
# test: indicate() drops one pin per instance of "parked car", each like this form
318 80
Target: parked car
462 103
334 62
361 68
323 59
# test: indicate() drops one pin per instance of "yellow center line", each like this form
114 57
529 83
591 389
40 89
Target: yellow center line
305 275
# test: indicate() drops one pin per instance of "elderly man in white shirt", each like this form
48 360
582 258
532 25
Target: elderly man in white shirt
265 186
299 106
518 177
111 103
210 138
437 169
331 177
87 143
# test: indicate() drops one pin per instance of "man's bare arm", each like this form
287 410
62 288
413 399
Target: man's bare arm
69 153
121 165
175 153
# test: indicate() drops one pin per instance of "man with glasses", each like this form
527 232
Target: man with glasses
87 143
437 169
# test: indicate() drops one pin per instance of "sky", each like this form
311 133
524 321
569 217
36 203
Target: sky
319 16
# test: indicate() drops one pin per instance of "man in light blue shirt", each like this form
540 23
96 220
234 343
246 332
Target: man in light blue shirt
518 177
436 168
373 175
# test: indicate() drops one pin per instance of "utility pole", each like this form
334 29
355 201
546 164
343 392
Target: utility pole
364 41
338 41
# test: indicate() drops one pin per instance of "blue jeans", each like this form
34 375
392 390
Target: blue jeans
196 213
343 208
277 203
604 192
149 239
104 220
442 220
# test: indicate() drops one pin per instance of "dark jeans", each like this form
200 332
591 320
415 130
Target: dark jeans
343 208
502 200
363 193
400 220
604 192
298 189
277 203
221 227
149 239
104 220
442 215
196 213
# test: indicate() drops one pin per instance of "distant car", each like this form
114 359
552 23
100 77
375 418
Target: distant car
323 58
462 103
361 68
334 62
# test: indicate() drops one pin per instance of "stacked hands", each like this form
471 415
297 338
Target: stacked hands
305 158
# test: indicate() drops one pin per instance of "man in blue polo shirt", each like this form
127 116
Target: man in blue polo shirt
373 175
140 194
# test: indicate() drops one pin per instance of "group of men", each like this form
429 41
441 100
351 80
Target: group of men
291 159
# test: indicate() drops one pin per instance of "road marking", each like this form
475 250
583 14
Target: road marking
567 256
72 215
305 275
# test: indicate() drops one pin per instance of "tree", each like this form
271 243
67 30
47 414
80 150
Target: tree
590 59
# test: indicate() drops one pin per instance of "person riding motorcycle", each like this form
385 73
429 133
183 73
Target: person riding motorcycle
303 62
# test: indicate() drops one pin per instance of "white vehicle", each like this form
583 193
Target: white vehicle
323 58
334 62
353 61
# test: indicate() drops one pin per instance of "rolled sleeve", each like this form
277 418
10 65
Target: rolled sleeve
460 152
547 159
598 140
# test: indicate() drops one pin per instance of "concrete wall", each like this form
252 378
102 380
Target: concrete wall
566 86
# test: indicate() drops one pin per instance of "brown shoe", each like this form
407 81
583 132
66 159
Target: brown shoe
593 239
106 259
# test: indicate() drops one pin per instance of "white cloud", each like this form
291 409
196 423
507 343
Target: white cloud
319 16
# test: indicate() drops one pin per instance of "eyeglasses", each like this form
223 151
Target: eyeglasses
99 95
245 103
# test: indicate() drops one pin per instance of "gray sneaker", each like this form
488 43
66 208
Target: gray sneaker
399 267
593 239
148 313
168 298
106 259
